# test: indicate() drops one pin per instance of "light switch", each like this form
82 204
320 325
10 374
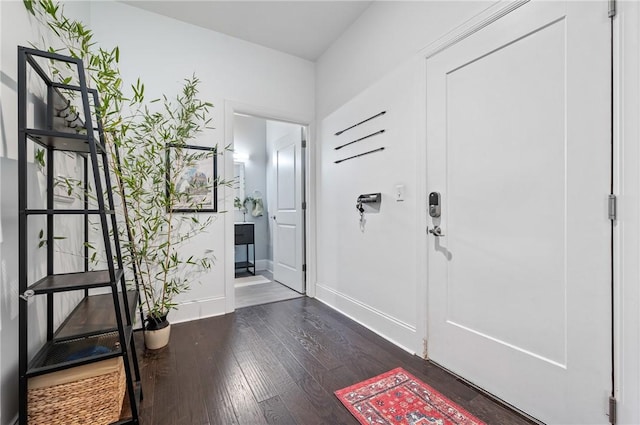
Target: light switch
399 192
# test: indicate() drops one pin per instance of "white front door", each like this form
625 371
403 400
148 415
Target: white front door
288 235
518 145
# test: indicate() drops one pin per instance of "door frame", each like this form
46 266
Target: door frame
308 180
626 128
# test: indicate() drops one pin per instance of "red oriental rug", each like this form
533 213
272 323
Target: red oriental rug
398 398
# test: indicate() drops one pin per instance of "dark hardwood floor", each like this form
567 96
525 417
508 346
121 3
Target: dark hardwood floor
280 363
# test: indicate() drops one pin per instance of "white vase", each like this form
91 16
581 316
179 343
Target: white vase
155 340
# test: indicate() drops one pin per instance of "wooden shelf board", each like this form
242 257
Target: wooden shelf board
63 141
95 314
74 281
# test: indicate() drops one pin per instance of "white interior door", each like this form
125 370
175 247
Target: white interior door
518 145
288 235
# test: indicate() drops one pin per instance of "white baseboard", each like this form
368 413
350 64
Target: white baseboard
399 333
264 265
199 309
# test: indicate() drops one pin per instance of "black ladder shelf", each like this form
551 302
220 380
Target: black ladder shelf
98 321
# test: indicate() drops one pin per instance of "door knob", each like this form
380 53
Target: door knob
436 231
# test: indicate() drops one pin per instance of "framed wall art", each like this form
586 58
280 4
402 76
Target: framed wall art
192 175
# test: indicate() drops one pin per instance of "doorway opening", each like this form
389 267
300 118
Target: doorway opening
268 211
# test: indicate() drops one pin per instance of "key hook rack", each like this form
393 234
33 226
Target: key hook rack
369 198
372 199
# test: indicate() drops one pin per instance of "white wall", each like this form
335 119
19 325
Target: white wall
387 33
250 139
375 275
17 28
162 52
370 272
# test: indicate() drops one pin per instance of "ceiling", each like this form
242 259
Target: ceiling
301 28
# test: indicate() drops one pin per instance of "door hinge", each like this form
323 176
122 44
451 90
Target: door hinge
304 143
304 268
612 8
612 410
304 205
613 207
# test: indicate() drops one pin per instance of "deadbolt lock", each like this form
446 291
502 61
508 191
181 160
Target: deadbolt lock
434 204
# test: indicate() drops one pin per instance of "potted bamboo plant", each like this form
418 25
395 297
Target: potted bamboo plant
155 158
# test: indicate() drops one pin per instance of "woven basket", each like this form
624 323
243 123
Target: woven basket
89 394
